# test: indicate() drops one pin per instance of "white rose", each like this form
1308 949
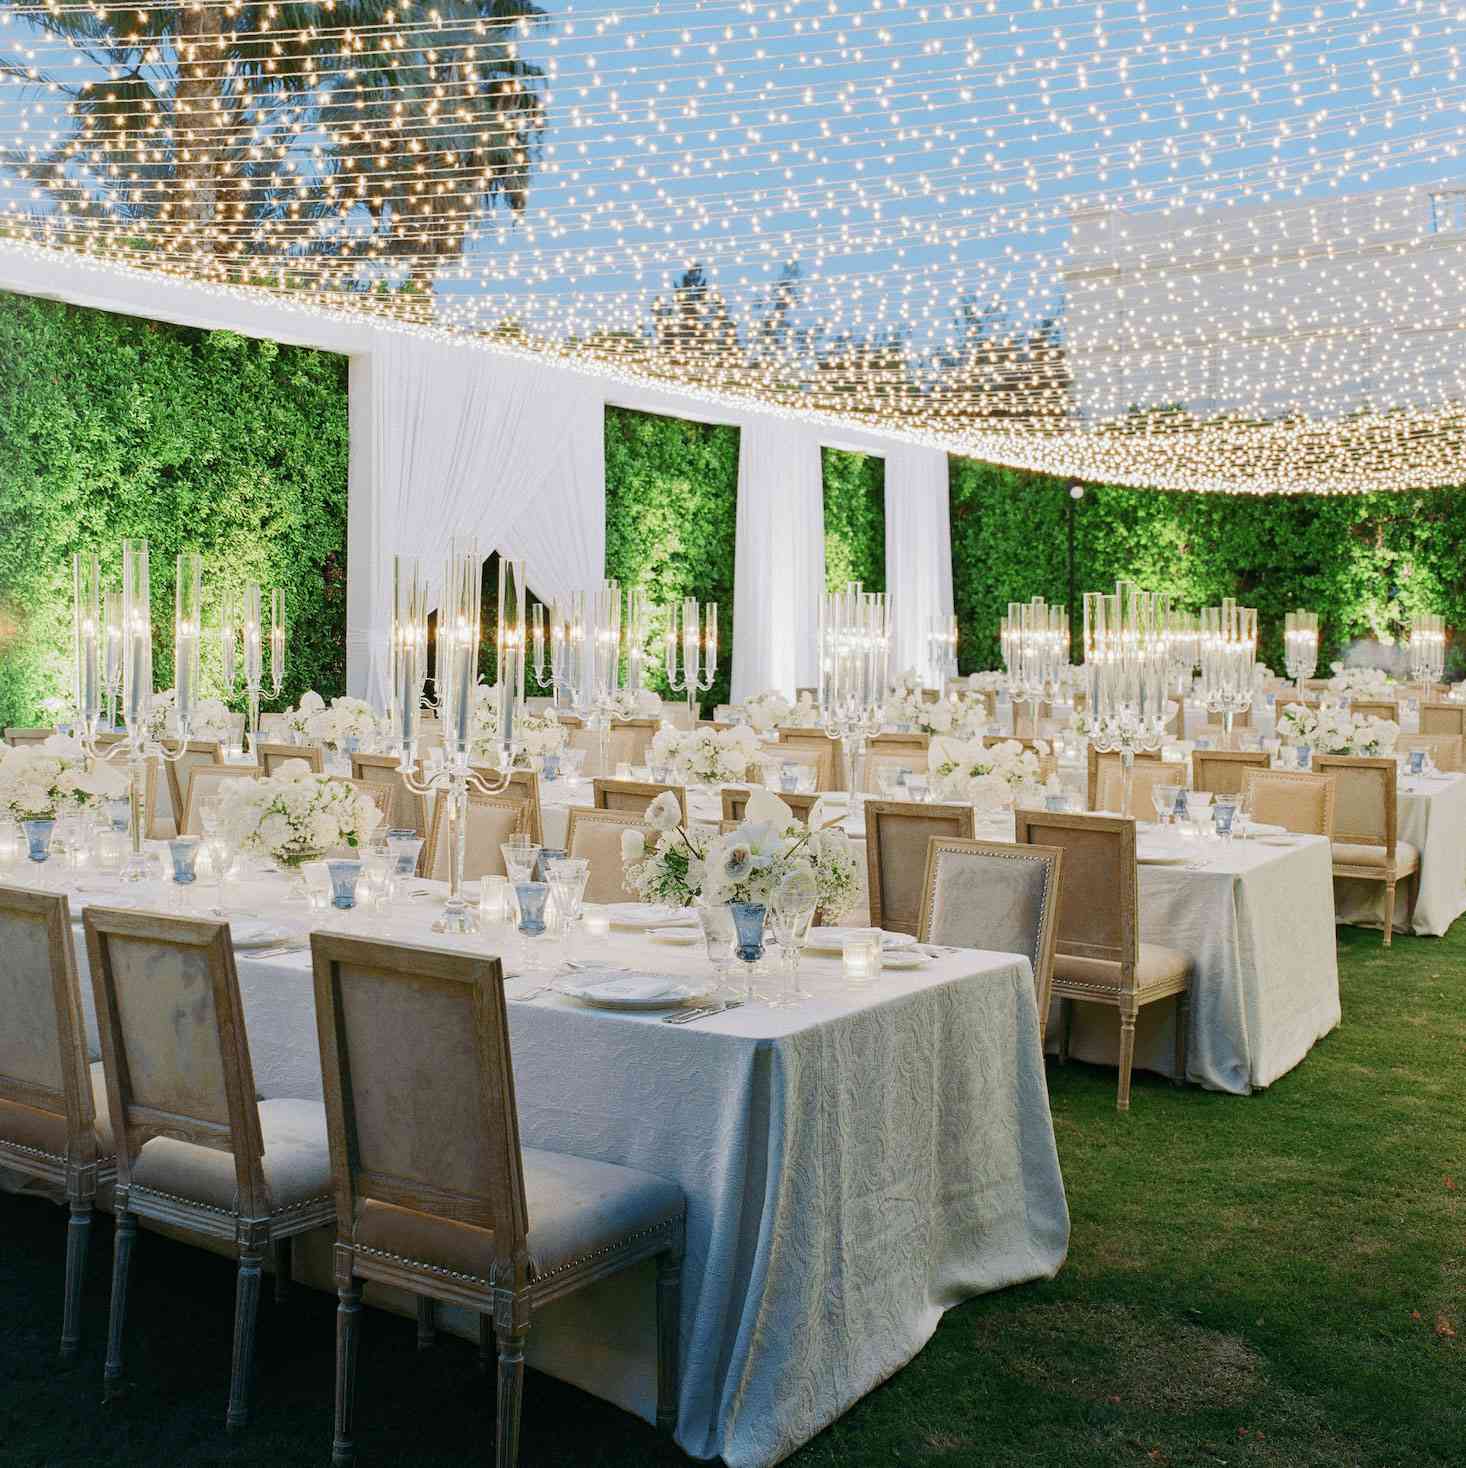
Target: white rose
633 846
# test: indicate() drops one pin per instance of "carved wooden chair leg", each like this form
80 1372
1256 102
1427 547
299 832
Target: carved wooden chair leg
1389 912
669 1322
487 1349
511 1394
427 1323
284 1260
78 1235
348 1325
246 1316
1183 1037
1066 1029
1127 1058
125 1237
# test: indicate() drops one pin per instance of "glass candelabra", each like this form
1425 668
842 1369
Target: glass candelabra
1035 643
254 633
699 643
1427 648
1228 659
1300 646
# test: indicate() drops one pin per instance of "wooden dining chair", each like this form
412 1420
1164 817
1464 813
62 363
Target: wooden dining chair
635 795
1445 750
1223 771
524 786
896 837
196 1152
436 1195
595 835
204 782
54 1124
406 810
1099 958
492 820
875 762
272 756
1098 762
197 753
1444 717
380 796
1375 708
829 753
1242 719
20 736
1147 774
1366 827
157 802
995 895
630 740
1293 799
735 803
899 744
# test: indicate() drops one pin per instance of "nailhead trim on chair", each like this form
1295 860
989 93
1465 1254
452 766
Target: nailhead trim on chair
34 1151
226 1212
438 1269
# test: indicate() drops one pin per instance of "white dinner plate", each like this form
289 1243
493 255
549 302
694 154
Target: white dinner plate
250 933
675 935
905 958
832 940
626 990
643 915
1162 858
1277 840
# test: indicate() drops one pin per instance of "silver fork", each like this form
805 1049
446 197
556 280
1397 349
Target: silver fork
706 1011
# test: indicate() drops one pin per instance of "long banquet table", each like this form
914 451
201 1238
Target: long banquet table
853 1166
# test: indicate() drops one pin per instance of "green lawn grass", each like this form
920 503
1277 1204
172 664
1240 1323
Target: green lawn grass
1262 1282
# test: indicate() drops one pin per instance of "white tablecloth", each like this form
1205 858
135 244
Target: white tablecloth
853 1167
1432 818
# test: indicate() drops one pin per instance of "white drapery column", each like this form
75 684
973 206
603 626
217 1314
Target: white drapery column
779 561
467 442
918 551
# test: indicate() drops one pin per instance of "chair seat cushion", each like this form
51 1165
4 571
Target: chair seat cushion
1155 965
1353 854
577 1208
45 1131
297 1161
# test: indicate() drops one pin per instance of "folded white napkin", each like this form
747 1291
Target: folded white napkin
257 932
640 988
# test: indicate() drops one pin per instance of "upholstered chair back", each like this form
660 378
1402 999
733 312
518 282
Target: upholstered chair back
492 820
524 786
1444 749
1147 774
1364 799
1098 762
1240 720
899 744
1098 897
1293 799
735 803
439 1139
173 1040
197 754
630 740
633 796
987 894
1223 771
203 784
897 835
831 762
1384 708
18 737
379 795
1444 717
596 836
818 760
914 760
404 810
272 756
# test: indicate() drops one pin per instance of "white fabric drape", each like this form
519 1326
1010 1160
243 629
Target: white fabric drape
918 552
779 561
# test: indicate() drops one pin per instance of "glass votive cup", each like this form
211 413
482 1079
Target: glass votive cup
495 902
532 897
623 771
1222 813
38 835
185 853
344 875
404 847
597 925
547 857
550 769
1417 761
119 813
860 955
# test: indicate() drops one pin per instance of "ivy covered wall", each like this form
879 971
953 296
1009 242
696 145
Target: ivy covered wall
113 426
672 520
855 519
1366 564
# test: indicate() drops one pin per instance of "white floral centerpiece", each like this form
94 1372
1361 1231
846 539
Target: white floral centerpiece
211 718
40 782
534 734
746 865
1360 682
59 710
908 711
1333 730
805 714
628 703
295 816
346 723
971 773
987 682
769 710
298 720
705 756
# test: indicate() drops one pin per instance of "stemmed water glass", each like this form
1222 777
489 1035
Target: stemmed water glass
719 936
795 901
216 847
1163 797
568 877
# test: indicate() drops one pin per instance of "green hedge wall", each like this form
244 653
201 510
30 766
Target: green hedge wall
672 519
855 519
1366 564
114 426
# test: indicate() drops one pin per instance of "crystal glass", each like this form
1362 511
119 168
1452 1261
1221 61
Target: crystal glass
520 854
1058 802
719 935
1198 811
1417 761
377 874
547 856
795 902
1163 797
220 860
404 847
860 955
1223 810
344 877
185 853
119 813
111 849
550 767
567 878
495 903
532 898
748 924
918 787
572 761
38 834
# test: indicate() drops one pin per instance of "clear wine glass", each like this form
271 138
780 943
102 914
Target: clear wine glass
719 936
795 901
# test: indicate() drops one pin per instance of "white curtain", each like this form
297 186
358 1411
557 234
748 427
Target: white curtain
474 443
918 551
779 562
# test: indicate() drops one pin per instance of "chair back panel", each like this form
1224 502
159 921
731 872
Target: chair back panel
1364 798
492 820
899 744
404 810
735 803
1293 799
197 754
984 894
629 741
1375 708
203 784
1224 771
633 796
17 737
1444 749
596 836
897 834
1098 761
419 1085
272 756
1147 774
829 751
1098 898
914 760
1443 718
379 795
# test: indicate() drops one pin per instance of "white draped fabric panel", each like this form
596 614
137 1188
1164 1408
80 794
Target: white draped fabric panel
779 563
918 551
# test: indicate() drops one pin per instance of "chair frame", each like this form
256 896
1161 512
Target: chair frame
735 802
1239 759
190 798
1325 764
361 763
1455 711
266 754
898 743
83 1169
1126 996
510 1296
176 791
17 736
1379 708
1092 773
963 817
1264 775
251 1226
831 753
1052 861
602 787
443 815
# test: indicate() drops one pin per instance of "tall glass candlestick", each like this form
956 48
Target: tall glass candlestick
1300 646
228 639
699 647
277 641
253 661
137 635
409 656
510 645
86 640
188 628
112 652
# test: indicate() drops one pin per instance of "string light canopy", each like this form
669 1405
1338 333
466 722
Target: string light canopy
1213 246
